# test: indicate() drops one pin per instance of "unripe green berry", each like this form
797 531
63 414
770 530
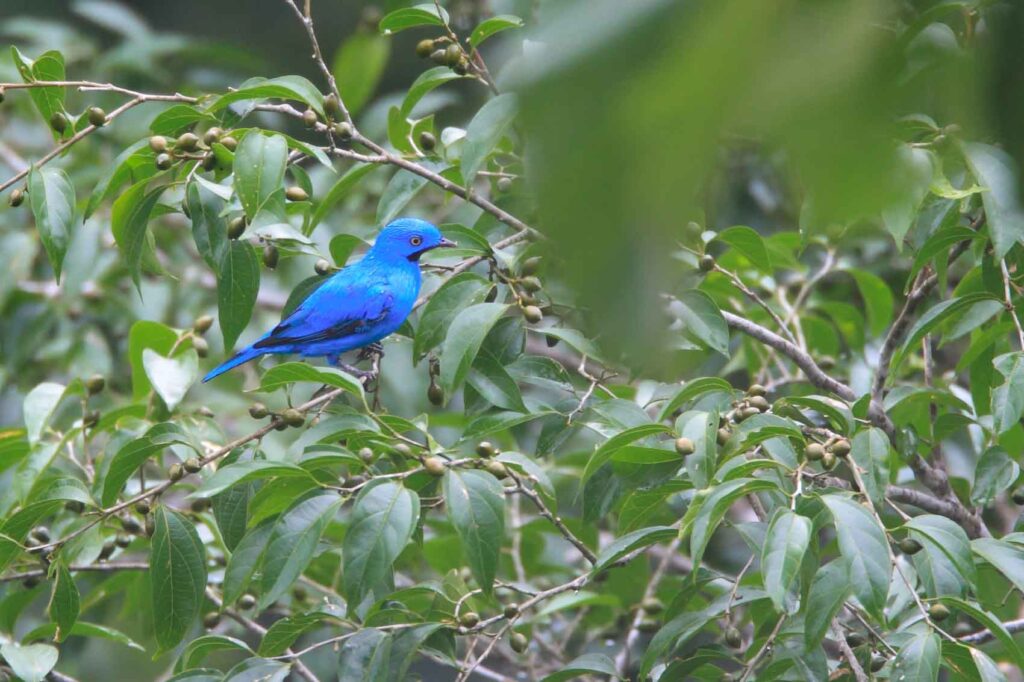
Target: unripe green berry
485 449
877 663
758 390
97 116
530 265
828 460
95 384
504 184
164 161
211 620
322 267
176 472
270 256
707 263
229 143
533 314
187 142
814 452
123 540
59 122
722 437
685 446
497 469
910 546
309 118
452 54
246 601
841 448
439 57
131 524
518 642
295 193
435 394
193 465
424 48
332 106
856 639
938 612
733 637
530 284
434 466
293 417
427 141
258 411
652 606
366 454
203 324
143 507
201 347
158 143
469 619
511 610
17 198
343 131
236 228
212 135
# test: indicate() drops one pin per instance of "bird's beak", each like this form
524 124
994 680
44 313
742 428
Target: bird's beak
447 244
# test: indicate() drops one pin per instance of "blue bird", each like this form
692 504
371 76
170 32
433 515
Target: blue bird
357 306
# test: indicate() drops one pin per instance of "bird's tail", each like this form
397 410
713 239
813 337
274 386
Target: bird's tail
240 358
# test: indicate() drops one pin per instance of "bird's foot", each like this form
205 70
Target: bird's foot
364 375
371 350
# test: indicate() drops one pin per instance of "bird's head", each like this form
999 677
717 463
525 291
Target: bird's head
409 238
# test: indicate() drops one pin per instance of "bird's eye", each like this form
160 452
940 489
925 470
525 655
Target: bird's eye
416 241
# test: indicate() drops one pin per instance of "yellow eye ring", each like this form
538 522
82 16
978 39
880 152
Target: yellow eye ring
416 241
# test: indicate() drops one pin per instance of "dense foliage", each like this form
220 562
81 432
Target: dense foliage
725 377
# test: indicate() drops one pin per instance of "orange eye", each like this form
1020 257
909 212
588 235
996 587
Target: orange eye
416 241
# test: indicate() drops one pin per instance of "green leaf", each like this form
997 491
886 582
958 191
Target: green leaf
1007 558
878 300
994 473
49 66
749 243
342 246
576 340
284 87
939 244
476 508
242 472
932 319
945 564
702 320
209 229
994 625
231 510
134 453
289 373
147 334
701 519
427 81
30 662
64 602
702 429
293 543
405 645
52 197
338 191
365 657
692 390
134 162
785 543
176 119
399 191
918 659
463 340
870 452
382 523
358 66
259 170
620 547
829 589
1008 397
762 427
129 220
38 408
583 665
425 14
83 629
171 377
488 27
603 453
485 132
283 633
198 649
863 546
238 284
459 292
177 566
16 528
245 559
994 169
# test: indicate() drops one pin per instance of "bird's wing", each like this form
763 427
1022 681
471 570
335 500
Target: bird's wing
351 302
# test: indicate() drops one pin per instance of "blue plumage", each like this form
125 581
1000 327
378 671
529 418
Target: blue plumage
357 306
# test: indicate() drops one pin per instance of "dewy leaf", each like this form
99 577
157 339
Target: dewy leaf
485 132
38 407
462 343
177 566
702 320
829 589
259 170
785 543
488 27
30 662
476 508
1008 397
52 197
171 377
129 219
64 602
870 452
293 543
863 546
749 243
237 287
382 523
994 169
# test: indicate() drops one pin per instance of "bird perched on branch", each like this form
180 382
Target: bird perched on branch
357 306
